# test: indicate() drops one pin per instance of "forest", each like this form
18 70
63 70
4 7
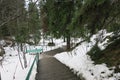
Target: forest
28 21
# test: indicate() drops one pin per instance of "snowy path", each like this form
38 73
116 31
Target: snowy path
50 68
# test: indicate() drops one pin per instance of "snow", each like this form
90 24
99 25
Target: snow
2 42
77 60
82 65
44 44
11 66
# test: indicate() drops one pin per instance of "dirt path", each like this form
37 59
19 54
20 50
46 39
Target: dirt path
50 68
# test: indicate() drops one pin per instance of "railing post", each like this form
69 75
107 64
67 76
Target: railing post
35 59
29 73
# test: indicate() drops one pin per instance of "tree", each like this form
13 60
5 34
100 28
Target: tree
43 17
59 15
34 21
93 15
7 10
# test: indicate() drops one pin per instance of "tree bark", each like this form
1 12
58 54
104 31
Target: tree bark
68 41
21 46
24 58
19 57
2 51
64 39
52 40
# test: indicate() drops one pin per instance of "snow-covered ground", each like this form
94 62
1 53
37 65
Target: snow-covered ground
77 60
82 65
10 68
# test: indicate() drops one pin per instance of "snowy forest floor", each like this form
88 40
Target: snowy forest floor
77 60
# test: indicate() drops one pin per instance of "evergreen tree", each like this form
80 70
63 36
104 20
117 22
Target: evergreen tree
34 21
8 10
93 15
43 17
59 15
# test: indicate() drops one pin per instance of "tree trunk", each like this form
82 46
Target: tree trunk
52 40
68 42
19 57
24 58
2 51
21 47
64 39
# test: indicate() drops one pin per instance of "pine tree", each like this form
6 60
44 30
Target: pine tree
93 15
59 15
34 21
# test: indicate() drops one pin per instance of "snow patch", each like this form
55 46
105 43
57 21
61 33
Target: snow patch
82 65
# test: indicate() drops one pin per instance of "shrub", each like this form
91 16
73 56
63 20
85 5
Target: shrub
95 53
51 44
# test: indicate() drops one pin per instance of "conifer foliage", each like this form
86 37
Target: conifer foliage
81 18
